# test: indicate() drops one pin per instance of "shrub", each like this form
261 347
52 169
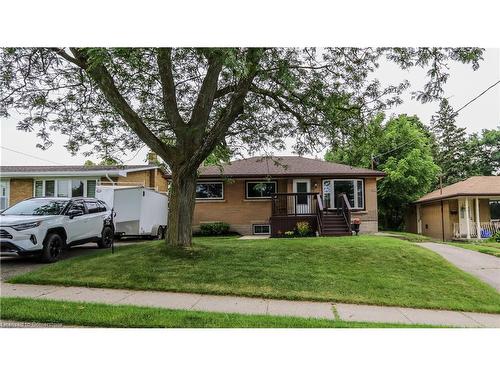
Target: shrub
214 229
303 228
289 233
496 236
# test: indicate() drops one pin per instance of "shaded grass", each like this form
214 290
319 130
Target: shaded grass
491 248
101 315
412 237
365 269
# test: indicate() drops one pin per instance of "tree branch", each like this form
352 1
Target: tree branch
233 109
164 60
105 82
205 100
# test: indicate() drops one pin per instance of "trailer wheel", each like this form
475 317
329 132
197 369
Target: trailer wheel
160 235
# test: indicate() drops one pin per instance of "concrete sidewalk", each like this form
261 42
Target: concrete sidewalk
485 267
257 306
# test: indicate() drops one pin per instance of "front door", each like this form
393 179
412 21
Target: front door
302 201
462 218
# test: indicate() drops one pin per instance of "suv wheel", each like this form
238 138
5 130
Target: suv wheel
52 248
106 238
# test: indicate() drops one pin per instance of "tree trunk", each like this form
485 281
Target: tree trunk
180 209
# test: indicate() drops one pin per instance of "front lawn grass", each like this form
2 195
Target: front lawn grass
412 237
491 248
364 269
101 315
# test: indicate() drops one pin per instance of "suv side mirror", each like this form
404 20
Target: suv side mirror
74 212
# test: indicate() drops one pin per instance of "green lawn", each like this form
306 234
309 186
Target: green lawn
412 237
101 315
491 248
364 269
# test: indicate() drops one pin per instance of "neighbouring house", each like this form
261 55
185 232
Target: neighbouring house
21 182
263 195
465 210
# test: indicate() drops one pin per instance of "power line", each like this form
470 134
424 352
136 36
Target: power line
477 97
31 156
466 104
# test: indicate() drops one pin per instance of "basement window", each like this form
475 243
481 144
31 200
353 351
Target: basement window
261 229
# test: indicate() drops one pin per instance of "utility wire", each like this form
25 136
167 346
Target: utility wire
31 156
465 105
477 97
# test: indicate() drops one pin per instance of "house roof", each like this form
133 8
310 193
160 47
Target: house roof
473 186
281 166
71 170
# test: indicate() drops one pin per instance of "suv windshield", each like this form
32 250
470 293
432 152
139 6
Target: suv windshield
37 207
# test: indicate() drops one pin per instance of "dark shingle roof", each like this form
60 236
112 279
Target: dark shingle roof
285 166
473 186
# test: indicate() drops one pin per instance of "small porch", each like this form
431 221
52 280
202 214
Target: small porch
290 208
469 217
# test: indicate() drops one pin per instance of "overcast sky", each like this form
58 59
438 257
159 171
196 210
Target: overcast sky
463 85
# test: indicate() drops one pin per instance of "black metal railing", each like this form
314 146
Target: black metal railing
319 212
344 208
293 204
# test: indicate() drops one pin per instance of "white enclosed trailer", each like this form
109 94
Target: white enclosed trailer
139 211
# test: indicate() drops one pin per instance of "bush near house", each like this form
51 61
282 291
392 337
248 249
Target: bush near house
214 229
303 228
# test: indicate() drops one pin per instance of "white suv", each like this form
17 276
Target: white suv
46 226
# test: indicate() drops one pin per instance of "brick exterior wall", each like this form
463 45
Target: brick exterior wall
20 189
150 178
241 213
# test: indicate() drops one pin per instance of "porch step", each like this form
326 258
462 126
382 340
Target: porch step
334 225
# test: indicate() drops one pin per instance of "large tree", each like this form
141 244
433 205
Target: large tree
451 152
402 148
183 103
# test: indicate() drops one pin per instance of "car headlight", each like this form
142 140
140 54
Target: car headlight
25 226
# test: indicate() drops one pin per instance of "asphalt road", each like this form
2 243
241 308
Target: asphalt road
13 265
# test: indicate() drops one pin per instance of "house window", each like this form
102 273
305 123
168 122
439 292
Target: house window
261 229
352 188
65 188
50 188
260 189
77 188
495 210
38 188
4 194
210 190
91 185
62 188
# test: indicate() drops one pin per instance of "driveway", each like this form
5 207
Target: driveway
13 265
485 267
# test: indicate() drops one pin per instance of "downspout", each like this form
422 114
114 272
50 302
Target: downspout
110 180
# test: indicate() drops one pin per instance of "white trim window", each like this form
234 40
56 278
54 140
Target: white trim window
260 189
4 194
65 187
210 190
353 188
261 229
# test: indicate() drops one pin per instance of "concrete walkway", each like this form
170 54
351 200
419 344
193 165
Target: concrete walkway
259 306
485 267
